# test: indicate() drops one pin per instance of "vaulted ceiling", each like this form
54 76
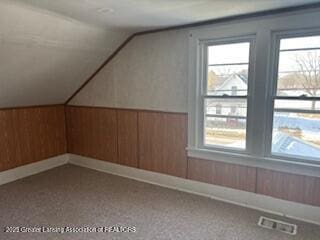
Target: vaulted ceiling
49 48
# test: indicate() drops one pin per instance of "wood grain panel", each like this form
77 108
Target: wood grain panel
312 190
9 158
162 142
92 132
234 176
153 141
200 170
31 134
288 186
128 137
223 174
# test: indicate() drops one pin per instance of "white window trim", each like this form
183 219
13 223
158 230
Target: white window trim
202 72
264 28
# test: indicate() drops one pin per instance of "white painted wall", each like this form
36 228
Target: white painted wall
149 73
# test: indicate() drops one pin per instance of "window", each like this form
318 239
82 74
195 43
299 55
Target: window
254 93
296 118
225 93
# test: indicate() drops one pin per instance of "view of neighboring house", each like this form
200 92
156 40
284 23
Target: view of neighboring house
234 85
293 134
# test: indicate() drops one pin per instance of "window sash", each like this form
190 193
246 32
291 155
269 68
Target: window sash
298 49
204 64
225 116
303 97
203 92
225 96
294 110
228 64
274 65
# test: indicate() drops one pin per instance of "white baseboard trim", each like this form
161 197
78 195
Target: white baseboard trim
32 168
263 203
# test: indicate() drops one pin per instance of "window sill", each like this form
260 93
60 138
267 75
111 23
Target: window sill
276 164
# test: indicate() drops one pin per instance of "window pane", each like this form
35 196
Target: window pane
300 42
297 104
299 73
296 134
229 79
225 132
229 53
227 107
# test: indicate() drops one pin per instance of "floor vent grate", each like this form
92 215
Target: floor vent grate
278 225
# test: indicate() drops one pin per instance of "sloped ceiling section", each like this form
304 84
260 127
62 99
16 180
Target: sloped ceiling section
49 48
45 57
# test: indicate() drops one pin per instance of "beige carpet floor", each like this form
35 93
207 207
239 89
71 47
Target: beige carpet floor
78 197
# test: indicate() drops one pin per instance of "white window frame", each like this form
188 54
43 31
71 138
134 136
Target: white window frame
202 78
261 112
276 38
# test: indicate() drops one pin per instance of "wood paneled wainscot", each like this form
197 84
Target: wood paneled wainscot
156 141
282 185
31 134
288 186
92 132
149 140
162 142
223 174
128 137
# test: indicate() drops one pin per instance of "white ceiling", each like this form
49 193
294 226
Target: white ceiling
48 48
139 15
